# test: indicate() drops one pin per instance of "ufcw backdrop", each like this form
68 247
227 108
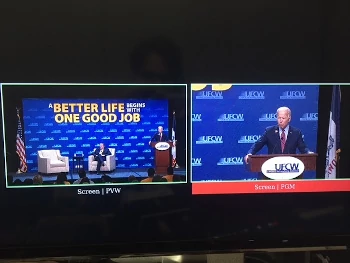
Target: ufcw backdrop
227 119
79 126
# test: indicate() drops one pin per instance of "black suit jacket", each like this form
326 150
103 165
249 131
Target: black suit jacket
156 137
271 138
105 152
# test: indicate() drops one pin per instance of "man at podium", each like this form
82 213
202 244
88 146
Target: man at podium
159 136
281 138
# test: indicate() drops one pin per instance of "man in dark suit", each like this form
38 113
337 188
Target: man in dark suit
160 136
281 138
100 156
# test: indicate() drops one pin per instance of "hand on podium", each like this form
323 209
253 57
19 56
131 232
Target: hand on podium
246 158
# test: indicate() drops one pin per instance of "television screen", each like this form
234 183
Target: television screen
52 141
98 168
251 138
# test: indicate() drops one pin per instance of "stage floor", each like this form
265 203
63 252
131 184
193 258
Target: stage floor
119 173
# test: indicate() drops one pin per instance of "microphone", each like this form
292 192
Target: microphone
273 150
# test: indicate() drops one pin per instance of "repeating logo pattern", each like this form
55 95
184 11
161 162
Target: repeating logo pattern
44 130
228 119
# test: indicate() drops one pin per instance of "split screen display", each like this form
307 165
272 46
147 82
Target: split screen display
221 138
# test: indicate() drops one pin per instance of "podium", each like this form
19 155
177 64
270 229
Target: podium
162 158
256 161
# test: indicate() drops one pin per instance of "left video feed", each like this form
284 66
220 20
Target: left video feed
81 134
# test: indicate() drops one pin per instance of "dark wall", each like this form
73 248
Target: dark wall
246 41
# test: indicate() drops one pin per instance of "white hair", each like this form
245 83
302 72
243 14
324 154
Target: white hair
160 127
289 112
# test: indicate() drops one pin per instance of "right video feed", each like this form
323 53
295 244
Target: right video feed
266 138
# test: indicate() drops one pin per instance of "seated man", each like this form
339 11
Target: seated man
100 156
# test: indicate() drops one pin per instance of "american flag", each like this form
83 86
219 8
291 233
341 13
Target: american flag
173 138
20 147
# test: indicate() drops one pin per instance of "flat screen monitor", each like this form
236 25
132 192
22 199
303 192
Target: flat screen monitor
152 168
265 138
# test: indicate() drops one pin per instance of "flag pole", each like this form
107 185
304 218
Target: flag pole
174 161
18 170
338 160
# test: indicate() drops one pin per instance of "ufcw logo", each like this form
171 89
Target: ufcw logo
196 117
33 124
209 95
268 117
231 161
196 161
209 140
252 95
249 139
293 95
285 168
231 117
309 117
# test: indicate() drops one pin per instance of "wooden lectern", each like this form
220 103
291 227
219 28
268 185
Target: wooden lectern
162 158
256 161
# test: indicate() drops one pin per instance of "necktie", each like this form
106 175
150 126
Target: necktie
283 140
160 137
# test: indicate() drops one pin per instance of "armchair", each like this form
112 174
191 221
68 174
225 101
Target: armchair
51 161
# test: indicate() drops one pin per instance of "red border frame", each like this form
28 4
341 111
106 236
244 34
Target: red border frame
261 187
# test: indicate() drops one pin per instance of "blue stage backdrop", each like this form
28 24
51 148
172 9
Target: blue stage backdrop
228 119
126 125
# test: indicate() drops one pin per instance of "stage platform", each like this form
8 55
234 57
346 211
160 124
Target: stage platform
117 174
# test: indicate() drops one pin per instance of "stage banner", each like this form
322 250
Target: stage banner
227 119
78 126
